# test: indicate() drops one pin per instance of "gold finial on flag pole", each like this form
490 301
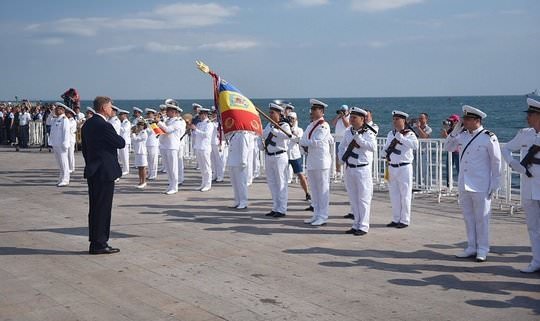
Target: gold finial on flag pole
202 66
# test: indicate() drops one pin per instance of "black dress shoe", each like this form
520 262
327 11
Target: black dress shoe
402 225
271 213
350 215
351 231
310 208
308 197
392 224
278 214
360 233
106 250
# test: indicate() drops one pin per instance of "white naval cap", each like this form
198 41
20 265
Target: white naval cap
150 110
162 106
534 106
344 107
358 111
116 109
292 114
171 103
57 104
317 103
90 109
204 110
213 109
289 106
123 111
70 110
195 105
399 113
275 107
469 111
137 109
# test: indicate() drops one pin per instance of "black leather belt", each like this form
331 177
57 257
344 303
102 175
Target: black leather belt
400 164
356 166
276 153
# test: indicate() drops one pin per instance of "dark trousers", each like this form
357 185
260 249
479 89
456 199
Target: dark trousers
99 216
24 134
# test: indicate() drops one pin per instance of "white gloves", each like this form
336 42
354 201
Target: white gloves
458 128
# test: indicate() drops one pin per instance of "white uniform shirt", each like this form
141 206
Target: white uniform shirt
115 122
240 147
408 143
202 135
340 128
367 141
60 135
525 138
480 165
125 131
73 130
294 148
136 120
139 142
50 120
318 144
215 134
80 116
152 139
280 139
24 119
174 128
374 126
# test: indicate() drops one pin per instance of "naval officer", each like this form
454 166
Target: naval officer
275 147
316 142
479 178
356 153
60 140
169 143
152 145
201 134
125 132
527 141
398 150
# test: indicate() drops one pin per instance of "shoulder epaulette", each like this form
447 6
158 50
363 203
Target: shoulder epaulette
489 133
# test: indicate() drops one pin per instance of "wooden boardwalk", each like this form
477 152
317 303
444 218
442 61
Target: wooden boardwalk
189 257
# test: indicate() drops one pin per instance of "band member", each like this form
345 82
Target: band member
201 134
114 121
70 114
169 143
316 142
125 132
398 151
275 144
240 149
356 153
60 140
219 153
139 136
527 141
152 144
137 116
479 178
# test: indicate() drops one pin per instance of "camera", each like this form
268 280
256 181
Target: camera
447 123
340 112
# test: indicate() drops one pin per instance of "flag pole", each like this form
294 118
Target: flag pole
204 68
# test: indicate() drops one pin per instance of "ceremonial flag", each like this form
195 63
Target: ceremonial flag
155 128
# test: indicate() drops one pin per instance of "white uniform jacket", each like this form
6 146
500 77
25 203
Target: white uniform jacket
407 144
139 142
115 122
125 131
367 142
174 128
60 133
240 147
279 140
202 135
318 144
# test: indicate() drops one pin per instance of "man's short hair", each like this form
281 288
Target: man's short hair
425 114
99 101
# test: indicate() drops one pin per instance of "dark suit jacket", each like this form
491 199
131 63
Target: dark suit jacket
99 147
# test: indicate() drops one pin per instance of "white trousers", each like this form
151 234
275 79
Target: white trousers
239 177
276 176
71 157
319 183
61 156
205 164
476 208
256 162
123 158
181 165
170 160
218 165
532 209
400 188
153 154
359 185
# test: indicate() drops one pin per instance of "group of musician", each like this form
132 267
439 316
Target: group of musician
285 145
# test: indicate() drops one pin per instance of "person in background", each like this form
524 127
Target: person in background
139 136
527 140
423 131
2 124
448 127
70 114
137 116
202 133
240 149
295 156
169 142
479 179
218 154
24 127
14 125
79 116
71 98
152 145
340 123
60 140
125 132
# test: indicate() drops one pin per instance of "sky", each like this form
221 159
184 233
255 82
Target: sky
269 49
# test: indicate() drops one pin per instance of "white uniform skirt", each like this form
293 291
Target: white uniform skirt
141 160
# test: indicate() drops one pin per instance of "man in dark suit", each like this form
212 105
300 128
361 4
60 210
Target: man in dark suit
99 147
